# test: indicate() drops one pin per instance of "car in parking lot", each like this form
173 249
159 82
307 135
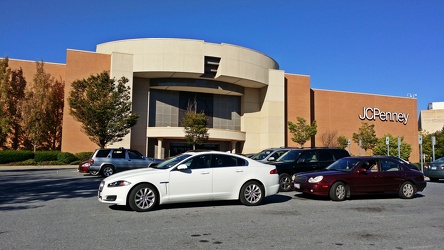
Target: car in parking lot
107 161
303 160
192 177
435 170
361 175
270 154
84 168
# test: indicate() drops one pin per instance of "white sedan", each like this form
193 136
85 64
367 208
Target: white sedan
192 177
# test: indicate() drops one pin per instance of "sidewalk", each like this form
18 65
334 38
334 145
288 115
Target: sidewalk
2 167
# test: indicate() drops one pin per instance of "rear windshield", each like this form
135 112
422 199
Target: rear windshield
103 153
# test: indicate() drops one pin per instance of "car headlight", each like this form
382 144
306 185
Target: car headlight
119 184
315 179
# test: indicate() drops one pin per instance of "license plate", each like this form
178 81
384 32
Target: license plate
297 185
433 168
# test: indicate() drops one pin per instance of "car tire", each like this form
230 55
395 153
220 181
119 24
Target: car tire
95 173
252 193
434 179
407 190
338 191
143 198
107 170
284 183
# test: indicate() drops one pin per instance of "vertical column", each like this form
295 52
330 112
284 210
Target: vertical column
233 147
159 148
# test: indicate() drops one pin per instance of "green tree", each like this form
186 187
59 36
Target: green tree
16 97
302 132
195 126
427 144
381 147
41 111
103 106
5 73
342 142
367 136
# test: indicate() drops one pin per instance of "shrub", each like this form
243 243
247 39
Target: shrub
66 157
8 156
28 162
44 156
83 156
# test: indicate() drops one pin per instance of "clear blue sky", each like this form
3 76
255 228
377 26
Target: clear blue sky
379 47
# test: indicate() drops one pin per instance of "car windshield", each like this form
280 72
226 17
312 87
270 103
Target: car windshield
171 162
440 160
344 164
261 155
290 156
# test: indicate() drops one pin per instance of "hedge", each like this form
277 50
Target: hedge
8 156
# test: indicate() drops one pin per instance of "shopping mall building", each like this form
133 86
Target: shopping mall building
247 98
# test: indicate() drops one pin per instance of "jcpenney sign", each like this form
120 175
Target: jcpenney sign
374 113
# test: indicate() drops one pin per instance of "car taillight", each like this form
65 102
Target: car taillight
273 171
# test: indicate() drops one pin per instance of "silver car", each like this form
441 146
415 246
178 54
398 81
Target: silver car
270 154
108 161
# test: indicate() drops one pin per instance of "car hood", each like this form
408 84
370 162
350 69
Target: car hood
323 173
125 175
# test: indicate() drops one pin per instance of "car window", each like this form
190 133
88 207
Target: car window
227 161
370 166
325 155
344 164
103 153
262 155
118 154
172 161
290 156
308 156
200 161
132 154
340 153
388 165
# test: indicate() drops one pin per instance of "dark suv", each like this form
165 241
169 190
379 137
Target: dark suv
108 161
304 160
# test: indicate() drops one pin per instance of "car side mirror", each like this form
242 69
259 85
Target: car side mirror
182 167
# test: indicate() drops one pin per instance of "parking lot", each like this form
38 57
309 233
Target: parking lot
58 208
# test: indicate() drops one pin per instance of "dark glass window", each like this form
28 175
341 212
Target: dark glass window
103 153
204 104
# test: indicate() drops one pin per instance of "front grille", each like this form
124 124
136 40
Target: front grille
300 179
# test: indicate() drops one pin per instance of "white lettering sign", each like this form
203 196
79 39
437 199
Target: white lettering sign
372 114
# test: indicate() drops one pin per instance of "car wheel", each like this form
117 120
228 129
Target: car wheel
338 191
434 179
407 190
95 173
284 183
143 198
107 170
252 193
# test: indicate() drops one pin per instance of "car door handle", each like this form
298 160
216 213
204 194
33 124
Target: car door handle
239 170
205 172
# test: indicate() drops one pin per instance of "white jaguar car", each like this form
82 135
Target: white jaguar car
192 177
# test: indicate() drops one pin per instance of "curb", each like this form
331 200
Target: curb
38 167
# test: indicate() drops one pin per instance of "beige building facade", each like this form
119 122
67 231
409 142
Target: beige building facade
247 98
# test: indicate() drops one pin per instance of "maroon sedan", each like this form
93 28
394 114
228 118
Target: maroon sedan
84 168
361 175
